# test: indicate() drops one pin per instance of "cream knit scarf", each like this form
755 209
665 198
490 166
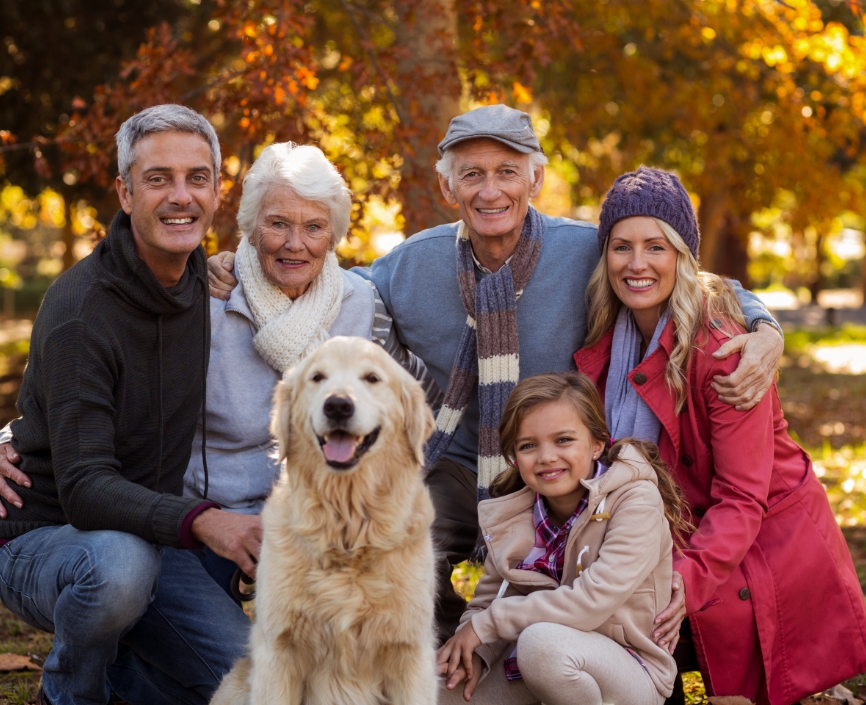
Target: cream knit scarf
289 330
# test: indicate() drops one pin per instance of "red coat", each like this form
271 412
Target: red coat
770 587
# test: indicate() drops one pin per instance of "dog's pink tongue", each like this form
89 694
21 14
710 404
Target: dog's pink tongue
340 447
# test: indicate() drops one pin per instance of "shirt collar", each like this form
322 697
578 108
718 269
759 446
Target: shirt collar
545 528
480 266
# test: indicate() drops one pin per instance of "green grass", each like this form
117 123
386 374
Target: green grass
799 341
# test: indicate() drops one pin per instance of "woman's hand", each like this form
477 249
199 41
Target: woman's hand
458 652
220 279
8 469
760 354
672 616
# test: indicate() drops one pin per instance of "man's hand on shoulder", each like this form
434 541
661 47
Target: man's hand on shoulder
8 469
237 537
760 354
220 279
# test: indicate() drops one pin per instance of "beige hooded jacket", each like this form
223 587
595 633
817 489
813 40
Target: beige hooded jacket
617 573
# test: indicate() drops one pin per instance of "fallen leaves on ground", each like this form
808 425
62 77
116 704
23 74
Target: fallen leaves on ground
839 695
17 662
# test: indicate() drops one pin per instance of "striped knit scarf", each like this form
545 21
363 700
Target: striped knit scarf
488 354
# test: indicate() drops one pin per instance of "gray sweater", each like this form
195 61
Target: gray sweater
240 450
418 283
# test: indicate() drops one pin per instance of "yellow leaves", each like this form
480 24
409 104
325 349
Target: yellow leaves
836 50
521 93
7 83
52 209
774 55
708 33
232 165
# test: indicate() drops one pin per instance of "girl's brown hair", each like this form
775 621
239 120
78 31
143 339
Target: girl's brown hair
578 389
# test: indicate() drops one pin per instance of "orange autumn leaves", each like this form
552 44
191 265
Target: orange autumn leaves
744 98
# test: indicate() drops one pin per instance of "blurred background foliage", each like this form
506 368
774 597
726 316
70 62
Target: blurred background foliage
759 105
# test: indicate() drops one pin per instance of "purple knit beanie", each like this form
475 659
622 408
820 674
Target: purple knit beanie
653 193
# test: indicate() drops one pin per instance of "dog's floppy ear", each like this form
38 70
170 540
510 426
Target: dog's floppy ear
281 414
417 419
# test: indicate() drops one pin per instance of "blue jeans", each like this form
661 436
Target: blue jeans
145 621
222 570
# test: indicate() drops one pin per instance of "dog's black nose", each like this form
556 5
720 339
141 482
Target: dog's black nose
338 408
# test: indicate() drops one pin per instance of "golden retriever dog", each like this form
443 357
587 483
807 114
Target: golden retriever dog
345 585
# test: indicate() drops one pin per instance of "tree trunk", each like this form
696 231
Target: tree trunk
816 277
732 255
68 236
711 220
429 97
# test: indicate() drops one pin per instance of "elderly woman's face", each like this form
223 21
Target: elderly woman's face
292 238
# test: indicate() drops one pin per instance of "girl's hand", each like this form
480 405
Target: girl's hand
458 652
460 675
671 617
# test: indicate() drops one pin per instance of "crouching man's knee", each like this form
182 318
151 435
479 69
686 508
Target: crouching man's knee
115 581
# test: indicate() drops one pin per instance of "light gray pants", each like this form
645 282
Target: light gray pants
564 666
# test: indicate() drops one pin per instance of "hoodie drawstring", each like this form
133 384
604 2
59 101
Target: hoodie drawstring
159 397
205 343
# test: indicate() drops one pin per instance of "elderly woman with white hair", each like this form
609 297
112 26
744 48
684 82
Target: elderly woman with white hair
292 296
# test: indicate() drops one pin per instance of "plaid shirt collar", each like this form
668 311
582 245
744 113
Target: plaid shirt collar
548 554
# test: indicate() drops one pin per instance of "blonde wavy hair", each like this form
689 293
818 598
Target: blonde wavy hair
697 297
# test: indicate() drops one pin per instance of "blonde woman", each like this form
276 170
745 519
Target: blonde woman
775 610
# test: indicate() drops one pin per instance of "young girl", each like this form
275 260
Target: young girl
578 564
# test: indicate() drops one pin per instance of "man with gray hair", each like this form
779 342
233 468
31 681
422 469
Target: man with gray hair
97 552
507 303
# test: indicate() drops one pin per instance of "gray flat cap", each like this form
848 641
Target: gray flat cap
498 122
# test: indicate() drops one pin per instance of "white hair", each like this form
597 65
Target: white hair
163 118
445 165
308 173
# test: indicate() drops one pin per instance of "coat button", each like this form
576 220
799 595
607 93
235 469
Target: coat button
745 594
699 511
640 378
687 461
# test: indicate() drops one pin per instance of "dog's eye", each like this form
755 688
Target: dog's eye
317 377
372 378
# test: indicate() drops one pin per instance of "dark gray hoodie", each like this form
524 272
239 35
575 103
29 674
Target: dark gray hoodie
111 395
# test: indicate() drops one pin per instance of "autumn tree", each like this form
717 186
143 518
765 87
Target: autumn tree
751 101
52 52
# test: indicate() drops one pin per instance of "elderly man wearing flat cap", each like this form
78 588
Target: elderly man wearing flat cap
506 303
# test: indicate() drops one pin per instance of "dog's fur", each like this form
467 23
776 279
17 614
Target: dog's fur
345 585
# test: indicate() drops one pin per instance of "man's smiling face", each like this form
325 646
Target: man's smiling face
492 184
174 193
